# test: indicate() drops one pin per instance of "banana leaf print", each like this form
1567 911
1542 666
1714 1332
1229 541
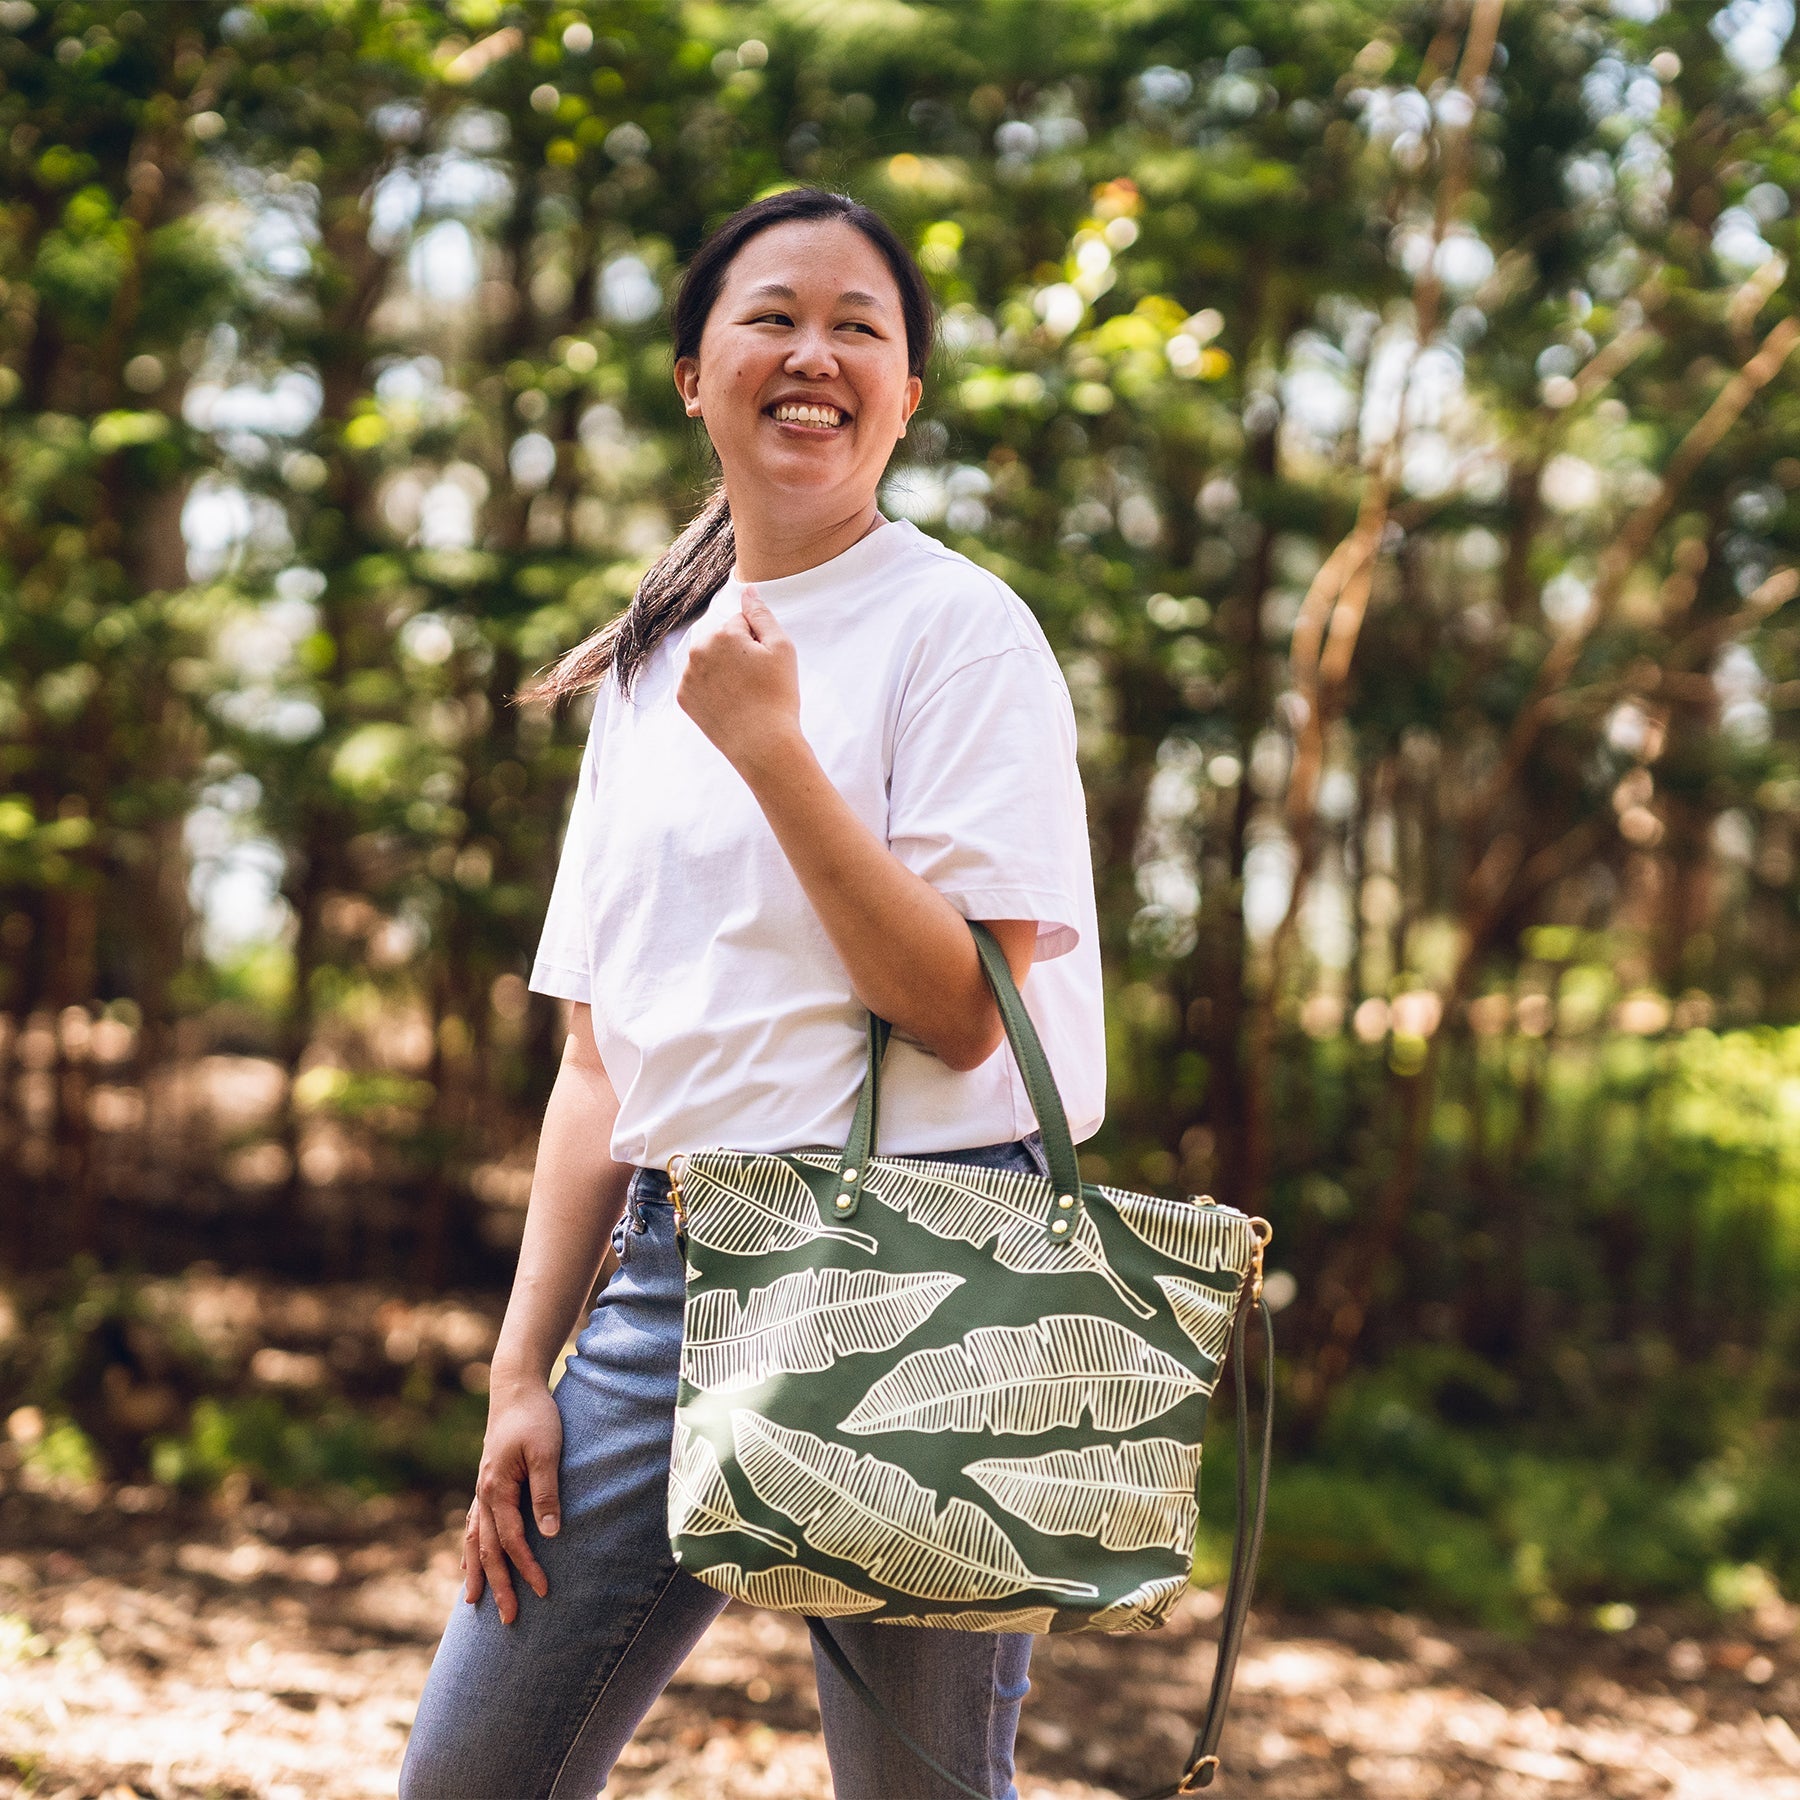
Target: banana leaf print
1026 1379
759 1205
1203 1313
700 1504
802 1323
1203 1237
1132 1496
1037 1619
983 1206
1143 1609
789 1588
874 1516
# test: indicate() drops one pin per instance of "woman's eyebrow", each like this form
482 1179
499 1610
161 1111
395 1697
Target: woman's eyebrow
852 296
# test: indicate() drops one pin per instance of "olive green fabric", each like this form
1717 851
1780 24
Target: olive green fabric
927 1393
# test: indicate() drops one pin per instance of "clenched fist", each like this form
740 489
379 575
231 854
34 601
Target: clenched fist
741 683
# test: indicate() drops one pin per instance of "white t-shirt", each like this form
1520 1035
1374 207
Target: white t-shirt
723 1014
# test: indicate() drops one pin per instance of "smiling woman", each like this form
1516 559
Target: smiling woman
799 271
822 745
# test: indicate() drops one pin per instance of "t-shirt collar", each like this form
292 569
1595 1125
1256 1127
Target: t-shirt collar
869 553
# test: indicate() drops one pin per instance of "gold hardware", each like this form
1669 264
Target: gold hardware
1262 1232
677 1169
849 1174
1199 1776
1065 1201
1059 1226
843 1202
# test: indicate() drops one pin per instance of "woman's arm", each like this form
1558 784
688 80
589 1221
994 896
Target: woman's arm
908 950
576 1199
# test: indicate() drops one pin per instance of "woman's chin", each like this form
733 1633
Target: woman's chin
812 470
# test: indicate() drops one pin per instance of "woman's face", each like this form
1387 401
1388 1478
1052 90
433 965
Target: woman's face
802 377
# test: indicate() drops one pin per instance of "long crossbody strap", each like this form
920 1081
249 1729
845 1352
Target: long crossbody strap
1040 1084
1246 1546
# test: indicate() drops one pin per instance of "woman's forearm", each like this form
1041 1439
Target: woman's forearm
577 1194
907 949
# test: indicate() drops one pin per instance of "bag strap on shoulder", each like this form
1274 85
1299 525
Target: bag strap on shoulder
1028 1051
1246 1546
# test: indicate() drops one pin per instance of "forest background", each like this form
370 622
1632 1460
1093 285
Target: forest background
1388 412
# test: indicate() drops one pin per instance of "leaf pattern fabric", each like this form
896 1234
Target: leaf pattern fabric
1026 1380
803 1322
700 1503
1202 1312
789 1587
1144 1608
1130 1496
763 1206
1203 1237
983 1206
938 1413
873 1514
1035 1619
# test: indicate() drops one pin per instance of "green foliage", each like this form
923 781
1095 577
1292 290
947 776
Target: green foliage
1513 1521
280 1445
1447 892
129 1378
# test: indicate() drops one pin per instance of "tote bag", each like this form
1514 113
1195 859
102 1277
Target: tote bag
923 1393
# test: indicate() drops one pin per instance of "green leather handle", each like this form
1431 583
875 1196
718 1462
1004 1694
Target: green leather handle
1040 1084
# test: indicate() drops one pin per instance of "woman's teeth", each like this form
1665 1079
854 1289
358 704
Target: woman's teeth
808 415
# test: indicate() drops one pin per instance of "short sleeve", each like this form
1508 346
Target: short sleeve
985 801
562 966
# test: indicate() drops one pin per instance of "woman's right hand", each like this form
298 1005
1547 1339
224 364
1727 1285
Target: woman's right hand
522 1448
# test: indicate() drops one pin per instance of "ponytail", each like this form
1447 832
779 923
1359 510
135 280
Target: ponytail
699 562
689 573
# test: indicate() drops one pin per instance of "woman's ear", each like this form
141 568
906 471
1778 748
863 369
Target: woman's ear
687 384
915 390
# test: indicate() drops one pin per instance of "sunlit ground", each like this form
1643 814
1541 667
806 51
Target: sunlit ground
226 1652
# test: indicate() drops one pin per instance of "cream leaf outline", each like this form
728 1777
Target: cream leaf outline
1132 1496
997 1206
1035 1619
788 1587
803 1322
1026 1379
1204 1237
700 1504
1143 1609
1204 1314
765 1206
873 1515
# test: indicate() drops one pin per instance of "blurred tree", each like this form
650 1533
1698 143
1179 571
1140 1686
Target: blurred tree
1383 407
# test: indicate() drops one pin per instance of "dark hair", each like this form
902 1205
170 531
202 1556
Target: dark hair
698 562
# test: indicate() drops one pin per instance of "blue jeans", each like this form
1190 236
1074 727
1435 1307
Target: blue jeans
543 1707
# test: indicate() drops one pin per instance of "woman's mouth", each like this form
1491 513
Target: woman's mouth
809 417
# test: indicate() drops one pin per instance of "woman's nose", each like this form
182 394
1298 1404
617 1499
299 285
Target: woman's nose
813 354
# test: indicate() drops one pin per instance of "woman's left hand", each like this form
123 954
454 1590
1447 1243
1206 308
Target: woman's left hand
741 685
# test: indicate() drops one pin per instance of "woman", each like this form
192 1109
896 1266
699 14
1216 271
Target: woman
808 767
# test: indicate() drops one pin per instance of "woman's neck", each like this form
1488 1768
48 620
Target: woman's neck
768 548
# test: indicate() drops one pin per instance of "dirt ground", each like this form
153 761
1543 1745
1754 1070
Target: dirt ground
225 1653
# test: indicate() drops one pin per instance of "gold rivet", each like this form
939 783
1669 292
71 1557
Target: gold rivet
849 1174
843 1202
1059 1225
1065 1201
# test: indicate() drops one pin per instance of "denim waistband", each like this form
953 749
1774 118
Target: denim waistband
649 1187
